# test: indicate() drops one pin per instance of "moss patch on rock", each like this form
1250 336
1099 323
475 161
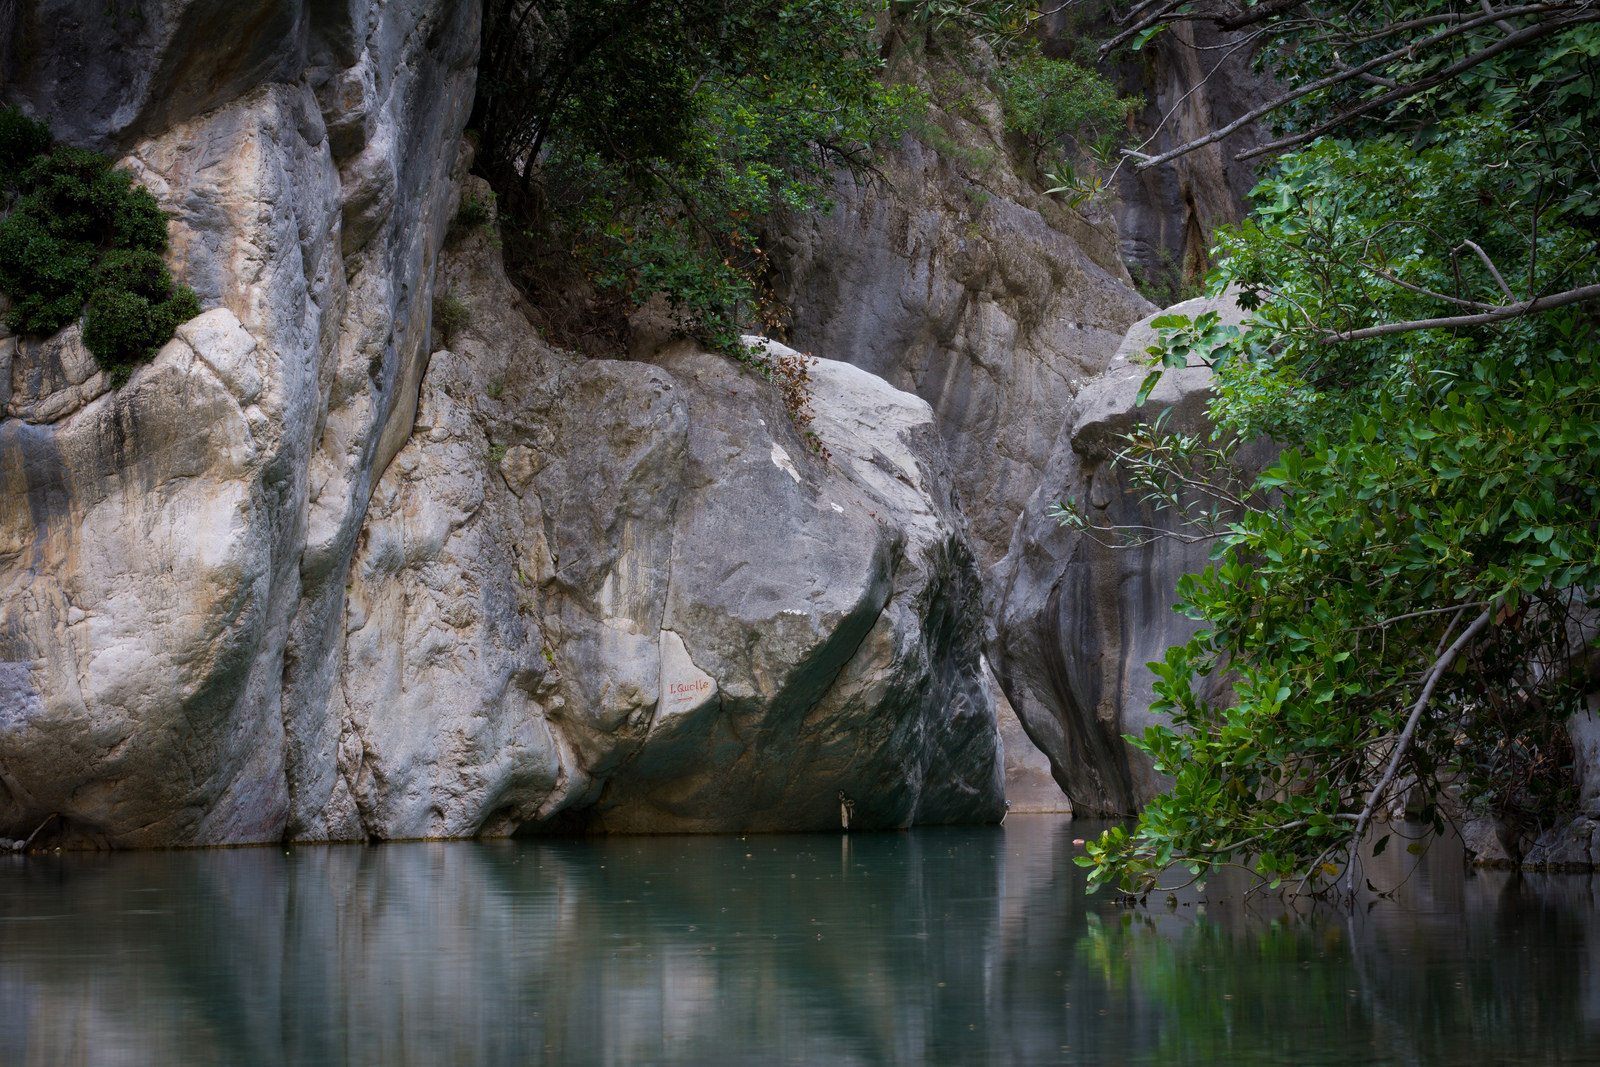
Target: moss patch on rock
80 238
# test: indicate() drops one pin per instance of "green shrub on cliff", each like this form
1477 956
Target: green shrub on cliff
1049 100
21 140
134 308
80 236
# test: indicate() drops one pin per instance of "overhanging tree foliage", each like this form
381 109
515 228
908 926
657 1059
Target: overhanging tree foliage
637 142
1409 601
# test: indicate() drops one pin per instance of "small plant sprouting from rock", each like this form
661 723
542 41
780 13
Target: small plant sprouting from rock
495 454
450 313
477 214
791 373
495 389
1065 180
81 239
475 211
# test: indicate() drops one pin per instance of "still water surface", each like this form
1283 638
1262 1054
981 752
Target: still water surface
939 946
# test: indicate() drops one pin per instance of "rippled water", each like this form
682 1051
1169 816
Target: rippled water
948 946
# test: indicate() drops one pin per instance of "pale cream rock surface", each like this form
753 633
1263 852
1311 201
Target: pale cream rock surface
173 554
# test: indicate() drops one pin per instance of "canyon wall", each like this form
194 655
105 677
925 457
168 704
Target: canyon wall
1081 612
325 570
308 575
173 560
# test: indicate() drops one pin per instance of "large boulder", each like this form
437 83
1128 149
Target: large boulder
949 273
627 596
1079 616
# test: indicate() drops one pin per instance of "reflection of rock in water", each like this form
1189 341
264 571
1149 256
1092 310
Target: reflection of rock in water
949 946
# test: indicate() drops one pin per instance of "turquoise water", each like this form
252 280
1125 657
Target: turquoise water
944 946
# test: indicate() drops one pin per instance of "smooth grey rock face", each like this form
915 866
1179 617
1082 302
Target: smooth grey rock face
172 554
1194 79
991 302
107 74
1077 621
621 596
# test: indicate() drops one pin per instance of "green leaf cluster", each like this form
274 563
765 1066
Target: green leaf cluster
79 238
999 23
1484 497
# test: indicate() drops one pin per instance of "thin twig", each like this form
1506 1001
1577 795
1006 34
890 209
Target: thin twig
1416 615
1487 262
1456 300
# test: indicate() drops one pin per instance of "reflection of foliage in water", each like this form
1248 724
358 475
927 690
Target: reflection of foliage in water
1389 985
1224 998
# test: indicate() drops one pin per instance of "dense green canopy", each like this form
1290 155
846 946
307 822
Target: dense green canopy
637 142
1407 600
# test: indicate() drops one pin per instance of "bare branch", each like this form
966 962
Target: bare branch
1416 615
1500 314
1402 283
1487 262
1140 536
1371 79
1406 51
1504 44
1440 665
1444 638
1502 24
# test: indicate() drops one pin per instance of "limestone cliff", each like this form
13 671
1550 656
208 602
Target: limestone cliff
950 274
173 557
1194 79
327 570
